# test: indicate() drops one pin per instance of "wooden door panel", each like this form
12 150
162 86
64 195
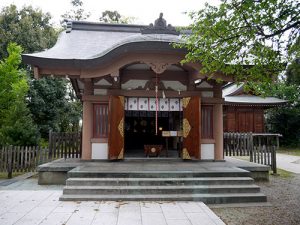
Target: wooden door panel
116 128
231 120
242 121
191 127
249 121
258 121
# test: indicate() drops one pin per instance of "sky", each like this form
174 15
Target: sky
145 12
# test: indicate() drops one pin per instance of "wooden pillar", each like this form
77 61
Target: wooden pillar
218 131
87 122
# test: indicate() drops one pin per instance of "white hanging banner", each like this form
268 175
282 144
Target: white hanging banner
149 104
164 104
143 104
126 103
132 104
175 104
152 105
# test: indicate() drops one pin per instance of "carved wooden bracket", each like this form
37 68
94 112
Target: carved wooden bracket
158 67
115 73
116 79
88 87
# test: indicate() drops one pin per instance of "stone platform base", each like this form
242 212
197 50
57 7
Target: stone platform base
56 172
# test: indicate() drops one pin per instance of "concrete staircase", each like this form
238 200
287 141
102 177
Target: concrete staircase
208 187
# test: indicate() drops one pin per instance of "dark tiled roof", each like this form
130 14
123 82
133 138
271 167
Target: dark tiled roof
253 100
88 40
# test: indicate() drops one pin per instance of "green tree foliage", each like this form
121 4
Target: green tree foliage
240 33
76 13
53 107
286 120
293 73
115 17
29 28
16 124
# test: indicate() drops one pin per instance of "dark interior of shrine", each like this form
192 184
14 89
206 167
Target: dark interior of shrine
140 130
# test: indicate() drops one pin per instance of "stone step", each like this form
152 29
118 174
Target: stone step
146 190
158 181
206 198
157 174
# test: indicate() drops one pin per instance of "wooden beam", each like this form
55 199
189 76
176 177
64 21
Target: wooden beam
95 98
75 87
88 87
36 72
151 93
148 74
60 72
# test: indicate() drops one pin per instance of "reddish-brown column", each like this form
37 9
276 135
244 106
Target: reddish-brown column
87 129
218 131
87 122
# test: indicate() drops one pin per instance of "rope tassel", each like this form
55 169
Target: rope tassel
156 103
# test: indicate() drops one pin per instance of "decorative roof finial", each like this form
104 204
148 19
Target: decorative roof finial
159 27
160 22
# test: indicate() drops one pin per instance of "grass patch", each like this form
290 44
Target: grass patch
289 151
15 174
283 173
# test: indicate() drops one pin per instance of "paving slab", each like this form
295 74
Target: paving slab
40 207
290 163
144 165
25 202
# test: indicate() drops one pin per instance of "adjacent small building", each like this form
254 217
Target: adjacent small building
244 112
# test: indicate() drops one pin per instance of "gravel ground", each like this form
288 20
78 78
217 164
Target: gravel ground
284 197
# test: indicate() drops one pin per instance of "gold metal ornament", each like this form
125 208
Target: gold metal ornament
185 101
185 154
121 127
186 127
122 100
121 154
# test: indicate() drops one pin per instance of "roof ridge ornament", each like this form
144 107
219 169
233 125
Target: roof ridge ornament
69 25
160 27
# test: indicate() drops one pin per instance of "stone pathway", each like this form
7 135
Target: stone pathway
288 162
25 202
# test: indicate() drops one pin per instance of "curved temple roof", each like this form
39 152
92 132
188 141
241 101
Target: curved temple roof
90 41
252 100
231 98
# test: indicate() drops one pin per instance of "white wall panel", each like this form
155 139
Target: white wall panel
99 151
207 151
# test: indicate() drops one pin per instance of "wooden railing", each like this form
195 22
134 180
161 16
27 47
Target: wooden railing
261 148
28 158
65 145
21 159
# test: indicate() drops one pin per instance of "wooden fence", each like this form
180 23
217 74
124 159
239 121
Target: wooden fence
22 159
261 148
65 145
28 158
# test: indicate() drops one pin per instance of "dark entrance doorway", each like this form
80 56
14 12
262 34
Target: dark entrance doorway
140 131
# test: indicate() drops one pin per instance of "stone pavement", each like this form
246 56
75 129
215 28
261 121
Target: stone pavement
288 162
25 202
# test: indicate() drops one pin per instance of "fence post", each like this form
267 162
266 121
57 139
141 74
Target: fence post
80 145
274 164
251 146
9 162
50 145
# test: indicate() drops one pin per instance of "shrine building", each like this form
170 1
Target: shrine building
138 99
